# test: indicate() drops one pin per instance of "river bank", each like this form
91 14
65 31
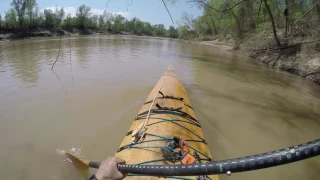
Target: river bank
18 35
57 33
8 36
300 55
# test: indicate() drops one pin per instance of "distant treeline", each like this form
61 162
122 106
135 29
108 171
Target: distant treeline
238 18
25 15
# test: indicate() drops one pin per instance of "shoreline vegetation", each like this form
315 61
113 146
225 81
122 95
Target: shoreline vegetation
283 34
34 34
25 20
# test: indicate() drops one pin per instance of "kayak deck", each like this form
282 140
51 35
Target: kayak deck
171 115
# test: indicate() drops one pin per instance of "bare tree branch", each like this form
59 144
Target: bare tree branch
306 13
274 30
108 3
187 20
218 10
129 4
167 10
259 9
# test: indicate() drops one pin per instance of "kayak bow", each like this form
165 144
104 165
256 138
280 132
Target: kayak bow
166 130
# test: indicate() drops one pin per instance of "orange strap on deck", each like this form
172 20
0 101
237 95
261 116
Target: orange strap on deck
188 159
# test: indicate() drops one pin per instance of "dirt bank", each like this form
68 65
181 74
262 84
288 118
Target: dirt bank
229 46
300 54
7 36
226 43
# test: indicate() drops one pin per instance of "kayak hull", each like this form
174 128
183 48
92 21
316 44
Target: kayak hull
172 115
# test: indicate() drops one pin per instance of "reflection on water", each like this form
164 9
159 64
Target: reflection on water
245 107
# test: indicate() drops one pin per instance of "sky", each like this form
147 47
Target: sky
152 11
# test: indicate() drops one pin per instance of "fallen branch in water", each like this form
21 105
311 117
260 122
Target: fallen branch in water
70 60
58 54
62 86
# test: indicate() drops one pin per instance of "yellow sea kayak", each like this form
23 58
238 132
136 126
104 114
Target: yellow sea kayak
166 130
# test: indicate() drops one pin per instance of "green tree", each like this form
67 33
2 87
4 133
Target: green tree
147 28
237 17
159 30
1 22
137 26
69 23
102 25
185 32
20 7
210 18
40 21
118 24
59 14
108 18
131 25
201 27
173 33
26 14
83 14
50 19
11 19
93 22
31 13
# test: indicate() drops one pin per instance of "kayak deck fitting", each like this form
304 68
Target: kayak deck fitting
166 130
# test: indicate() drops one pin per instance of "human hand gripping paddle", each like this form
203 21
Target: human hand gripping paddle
107 170
248 163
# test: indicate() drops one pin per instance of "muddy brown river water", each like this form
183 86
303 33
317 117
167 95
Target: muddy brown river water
89 101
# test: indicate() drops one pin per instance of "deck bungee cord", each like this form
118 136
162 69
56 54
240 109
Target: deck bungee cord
139 132
170 97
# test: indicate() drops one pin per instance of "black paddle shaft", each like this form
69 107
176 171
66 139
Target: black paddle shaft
93 164
248 163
